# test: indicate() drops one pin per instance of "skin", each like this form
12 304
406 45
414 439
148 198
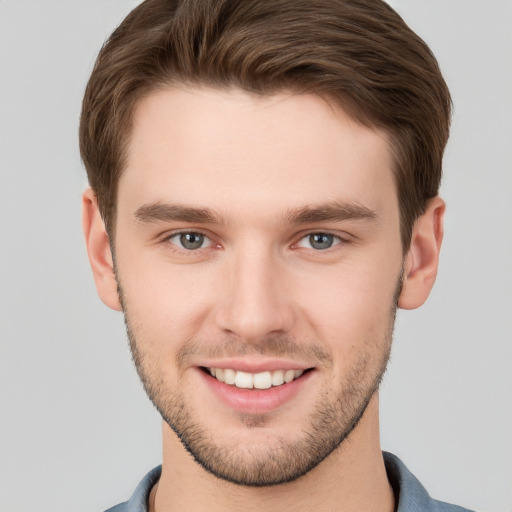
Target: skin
255 163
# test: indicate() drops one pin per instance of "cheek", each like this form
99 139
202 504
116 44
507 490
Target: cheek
165 304
352 305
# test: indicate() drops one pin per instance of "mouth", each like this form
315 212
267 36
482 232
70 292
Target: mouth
256 387
262 380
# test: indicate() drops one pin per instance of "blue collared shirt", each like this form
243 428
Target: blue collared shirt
410 495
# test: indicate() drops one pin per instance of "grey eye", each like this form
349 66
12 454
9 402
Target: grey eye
319 241
189 241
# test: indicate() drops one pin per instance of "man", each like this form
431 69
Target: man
264 180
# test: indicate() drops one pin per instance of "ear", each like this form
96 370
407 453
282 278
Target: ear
421 262
98 249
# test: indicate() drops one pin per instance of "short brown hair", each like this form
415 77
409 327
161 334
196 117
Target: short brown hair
359 53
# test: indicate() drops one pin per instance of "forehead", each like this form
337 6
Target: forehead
231 149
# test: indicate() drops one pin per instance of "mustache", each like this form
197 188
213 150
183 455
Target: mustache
277 345
273 345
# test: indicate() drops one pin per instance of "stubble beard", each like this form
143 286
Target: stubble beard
336 413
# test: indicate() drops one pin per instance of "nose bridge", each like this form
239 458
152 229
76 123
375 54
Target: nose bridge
255 303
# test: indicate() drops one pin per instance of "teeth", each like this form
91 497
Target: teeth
229 376
263 380
289 376
243 380
277 378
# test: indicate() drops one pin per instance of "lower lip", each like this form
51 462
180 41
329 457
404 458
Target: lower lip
255 401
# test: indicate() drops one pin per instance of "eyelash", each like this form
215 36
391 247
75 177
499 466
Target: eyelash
176 247
337 241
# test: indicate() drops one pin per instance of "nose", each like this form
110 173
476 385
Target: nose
255 301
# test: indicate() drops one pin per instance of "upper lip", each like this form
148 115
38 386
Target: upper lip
255 366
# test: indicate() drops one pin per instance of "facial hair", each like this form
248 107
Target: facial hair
337 411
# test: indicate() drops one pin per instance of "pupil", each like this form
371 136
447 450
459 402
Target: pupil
321 241
191 240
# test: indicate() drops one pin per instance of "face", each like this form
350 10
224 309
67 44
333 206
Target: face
258 259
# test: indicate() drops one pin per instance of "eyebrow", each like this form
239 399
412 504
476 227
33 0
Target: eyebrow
164 212
332 211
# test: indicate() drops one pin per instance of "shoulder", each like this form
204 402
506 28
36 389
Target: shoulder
122 507
138 502
410 494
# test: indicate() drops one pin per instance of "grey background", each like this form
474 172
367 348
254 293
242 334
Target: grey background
76 431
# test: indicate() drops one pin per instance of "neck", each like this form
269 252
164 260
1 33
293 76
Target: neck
353 477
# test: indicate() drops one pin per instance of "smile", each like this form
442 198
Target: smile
262 380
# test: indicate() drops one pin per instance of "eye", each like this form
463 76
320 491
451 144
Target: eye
190 240
319 241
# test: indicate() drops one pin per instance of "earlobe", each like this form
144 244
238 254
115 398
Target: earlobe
421 262
99 251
